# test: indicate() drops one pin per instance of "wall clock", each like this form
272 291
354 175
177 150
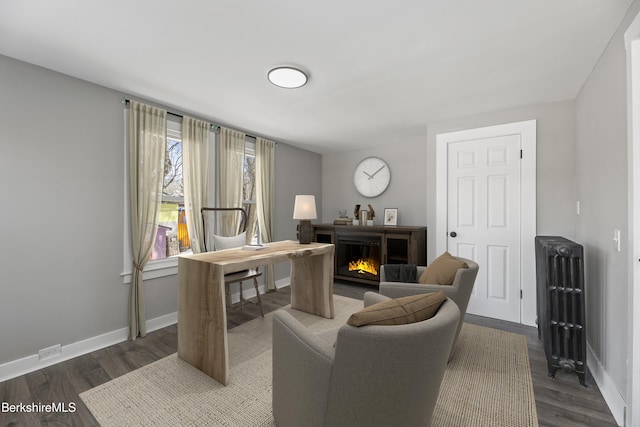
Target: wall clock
371 177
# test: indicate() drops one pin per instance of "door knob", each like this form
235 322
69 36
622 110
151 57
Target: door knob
453 234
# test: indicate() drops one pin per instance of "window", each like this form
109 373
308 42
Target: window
172 237
249 189
172 215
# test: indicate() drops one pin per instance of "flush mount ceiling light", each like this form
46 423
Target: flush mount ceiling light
287 77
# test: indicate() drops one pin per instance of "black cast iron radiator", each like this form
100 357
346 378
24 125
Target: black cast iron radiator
560 304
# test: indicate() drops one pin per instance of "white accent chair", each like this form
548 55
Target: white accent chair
214 225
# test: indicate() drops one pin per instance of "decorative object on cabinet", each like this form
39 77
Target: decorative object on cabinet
364 216
390 216
342 219
371 177
304 210
372 213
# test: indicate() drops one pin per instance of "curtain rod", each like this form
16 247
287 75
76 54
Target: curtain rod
214 126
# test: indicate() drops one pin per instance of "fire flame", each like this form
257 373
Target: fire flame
364 266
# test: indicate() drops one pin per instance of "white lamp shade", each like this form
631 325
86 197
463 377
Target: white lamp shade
305 207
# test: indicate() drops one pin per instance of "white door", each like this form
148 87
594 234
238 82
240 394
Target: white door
483 219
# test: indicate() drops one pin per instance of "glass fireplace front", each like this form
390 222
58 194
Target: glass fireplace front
358 256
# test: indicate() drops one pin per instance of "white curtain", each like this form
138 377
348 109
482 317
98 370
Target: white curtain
195 176
231 173
265 173
147 145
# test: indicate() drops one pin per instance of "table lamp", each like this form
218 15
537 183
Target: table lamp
304 209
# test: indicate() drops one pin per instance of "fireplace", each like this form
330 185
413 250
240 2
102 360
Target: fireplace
358 257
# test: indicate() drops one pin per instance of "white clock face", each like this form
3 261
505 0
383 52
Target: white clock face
371 177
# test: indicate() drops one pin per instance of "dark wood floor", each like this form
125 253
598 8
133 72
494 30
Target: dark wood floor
560 401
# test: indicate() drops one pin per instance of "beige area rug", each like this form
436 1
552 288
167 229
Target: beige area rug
488 383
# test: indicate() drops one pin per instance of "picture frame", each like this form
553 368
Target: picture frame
390 216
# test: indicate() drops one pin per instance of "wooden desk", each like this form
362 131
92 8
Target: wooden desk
202 315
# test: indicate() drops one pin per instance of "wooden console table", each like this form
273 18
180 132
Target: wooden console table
202 316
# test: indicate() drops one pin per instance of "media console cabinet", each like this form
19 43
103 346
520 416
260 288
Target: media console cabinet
360 250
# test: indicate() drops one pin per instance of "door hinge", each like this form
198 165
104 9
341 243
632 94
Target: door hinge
520 153
520 293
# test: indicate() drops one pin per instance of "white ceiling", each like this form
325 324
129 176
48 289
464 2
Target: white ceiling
379 70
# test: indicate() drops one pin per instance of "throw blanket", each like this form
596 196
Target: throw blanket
400 273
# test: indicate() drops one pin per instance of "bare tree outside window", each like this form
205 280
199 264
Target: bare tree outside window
172 237
173 185
249 189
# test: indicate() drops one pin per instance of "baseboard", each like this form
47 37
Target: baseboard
23 366
250 291
609 391
162 322
32 363
283 283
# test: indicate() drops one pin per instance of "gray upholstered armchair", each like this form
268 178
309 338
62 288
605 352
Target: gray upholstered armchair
459 291
374 376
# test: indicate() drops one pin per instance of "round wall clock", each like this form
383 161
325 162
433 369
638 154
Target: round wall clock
371 177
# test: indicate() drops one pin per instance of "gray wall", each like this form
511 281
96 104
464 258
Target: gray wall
601 113
413 180
556 166
61 219
406 190
413 171
61 226
297 172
